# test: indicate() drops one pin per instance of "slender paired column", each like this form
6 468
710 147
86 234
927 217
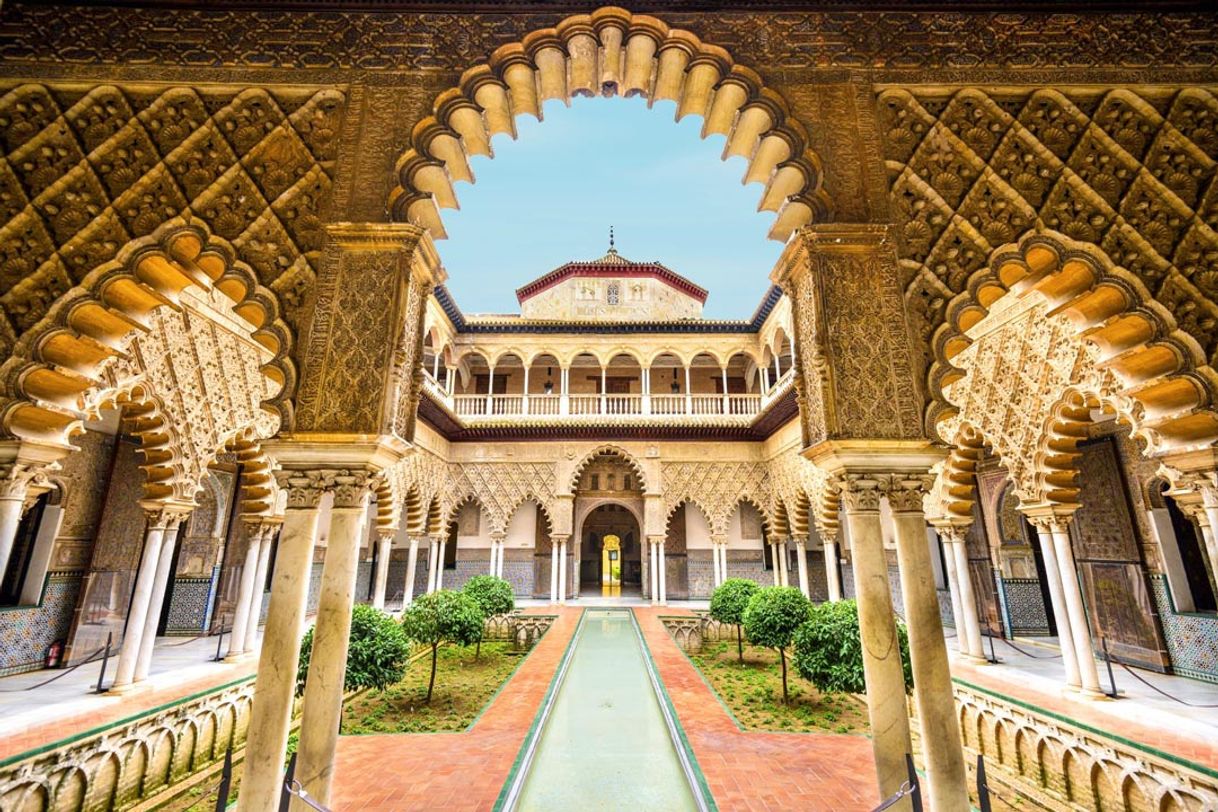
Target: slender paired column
663 568
554 545
433 547
384 550
653 566
1209 529
271 713
164 572
964 599
160 520
253 531
257 596
936 705
719 559
784 563
494 563
443 542
412 563
775 558
323 695
882 669
801 550
1065 637
562 568
946 533
1084 650
13 490
833 576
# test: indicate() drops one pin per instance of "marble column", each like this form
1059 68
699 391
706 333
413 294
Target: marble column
1209 501
164 574
158 519
653 566
12 505
1065 638
939 727
554 544
882 669
663 567
494 563
562 569
833 575
970 630
718 545
253 531
432 548
784 561
953 586
271 713
440 563
323 695
257 596
1084 650
412 564
384 551
776 560
801 550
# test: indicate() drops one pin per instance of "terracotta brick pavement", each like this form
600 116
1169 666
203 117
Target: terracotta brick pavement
451 771
753 770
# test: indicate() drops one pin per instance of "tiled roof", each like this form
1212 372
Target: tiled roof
515 324
611 264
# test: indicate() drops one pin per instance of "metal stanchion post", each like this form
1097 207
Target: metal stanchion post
983 789
285 797
226 781
916 795
105 660
219 641
1112 693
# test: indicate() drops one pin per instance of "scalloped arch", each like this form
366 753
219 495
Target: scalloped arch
611 52
608 448
1128 356
53 369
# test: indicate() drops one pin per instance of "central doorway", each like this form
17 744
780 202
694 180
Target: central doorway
607 527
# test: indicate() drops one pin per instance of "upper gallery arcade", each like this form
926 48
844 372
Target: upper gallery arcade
979 392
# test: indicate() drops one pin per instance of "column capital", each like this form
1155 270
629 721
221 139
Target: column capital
18 478
860 493
657 540
386 533
906 491
718 539
165 515
952 532
1049 518
800 540
559 538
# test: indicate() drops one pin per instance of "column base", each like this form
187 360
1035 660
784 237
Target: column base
128 689
238 657
1092 695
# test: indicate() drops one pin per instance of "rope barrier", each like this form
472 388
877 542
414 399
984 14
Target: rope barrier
92 658
905 791
1159 690
294 787
1027 653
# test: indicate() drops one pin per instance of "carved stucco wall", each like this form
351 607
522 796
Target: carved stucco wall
82 172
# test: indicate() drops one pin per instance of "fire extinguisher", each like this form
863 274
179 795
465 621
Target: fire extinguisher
54 654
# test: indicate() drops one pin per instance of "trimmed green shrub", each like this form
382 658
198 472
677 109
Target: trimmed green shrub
771 618
442 617
727 605
829 649
377 653
493 596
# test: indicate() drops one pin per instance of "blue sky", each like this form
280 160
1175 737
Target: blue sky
551 195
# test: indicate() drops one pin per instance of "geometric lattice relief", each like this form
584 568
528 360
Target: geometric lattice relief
501 487
1133 174
717 489
83 173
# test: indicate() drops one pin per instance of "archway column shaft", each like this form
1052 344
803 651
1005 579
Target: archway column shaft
433 546
160 586
1084 649
653 566
801 550
663 572
384 549
11 508
441 550
945 534
271 713
323 695
883 673
833 579
939 726
254 534
562 570
1057 598
258 595
554 545
412 564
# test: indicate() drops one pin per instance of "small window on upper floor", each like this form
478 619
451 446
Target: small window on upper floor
596 482
613 293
